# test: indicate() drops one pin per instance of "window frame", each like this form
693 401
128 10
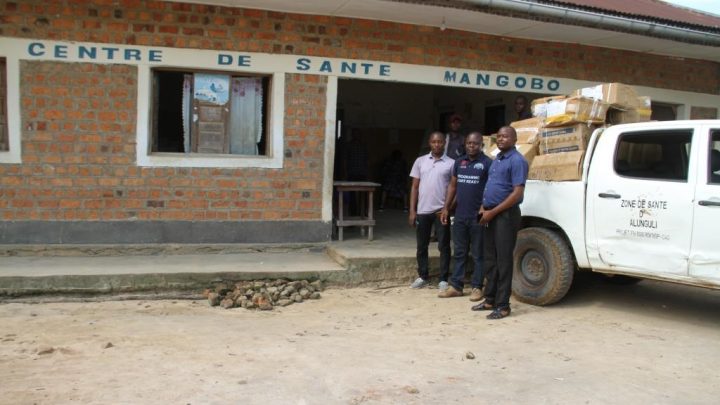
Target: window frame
274 120
12 108
652 133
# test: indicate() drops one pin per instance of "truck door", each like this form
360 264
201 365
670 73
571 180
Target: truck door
705 248
640 199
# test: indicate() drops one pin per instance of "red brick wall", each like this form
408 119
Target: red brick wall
201 26
79 156
78 120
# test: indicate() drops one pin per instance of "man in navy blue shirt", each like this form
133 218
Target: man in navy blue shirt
500 213
466 187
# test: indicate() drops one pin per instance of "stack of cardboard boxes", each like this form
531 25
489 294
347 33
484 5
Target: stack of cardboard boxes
562 125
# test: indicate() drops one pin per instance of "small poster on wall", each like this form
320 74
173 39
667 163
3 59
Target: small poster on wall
212 88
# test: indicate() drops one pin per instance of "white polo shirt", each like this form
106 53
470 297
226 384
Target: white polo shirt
434 175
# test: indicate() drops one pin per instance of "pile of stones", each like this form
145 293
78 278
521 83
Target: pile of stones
263 295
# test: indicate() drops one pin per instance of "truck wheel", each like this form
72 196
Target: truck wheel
543 267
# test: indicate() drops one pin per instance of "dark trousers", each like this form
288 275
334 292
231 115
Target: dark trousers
467 236
424 224
499 242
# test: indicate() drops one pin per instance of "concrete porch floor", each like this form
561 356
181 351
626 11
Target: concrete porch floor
387 260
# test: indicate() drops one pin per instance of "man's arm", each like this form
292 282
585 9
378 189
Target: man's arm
515 196
413 201
452 188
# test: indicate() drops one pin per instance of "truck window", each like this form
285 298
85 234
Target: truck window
714 158
654 155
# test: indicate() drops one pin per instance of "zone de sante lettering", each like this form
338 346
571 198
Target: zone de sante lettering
642 203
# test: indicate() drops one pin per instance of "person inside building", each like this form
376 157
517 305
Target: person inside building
500 214
522 108
454 140
356 160
470 174
431 175
394 180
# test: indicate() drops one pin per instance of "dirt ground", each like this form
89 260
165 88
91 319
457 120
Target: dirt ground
646 343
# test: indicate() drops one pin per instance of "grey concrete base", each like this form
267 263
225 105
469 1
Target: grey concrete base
97 273
135 232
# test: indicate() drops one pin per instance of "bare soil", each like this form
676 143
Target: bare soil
646 343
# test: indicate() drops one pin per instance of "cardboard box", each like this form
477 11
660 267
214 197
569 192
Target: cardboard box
529 151
490 147
617 94
527 130
575 110
538 107
616 116
565 139
557 166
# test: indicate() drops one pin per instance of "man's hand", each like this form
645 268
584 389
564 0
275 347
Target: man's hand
486 215
411 218
444 214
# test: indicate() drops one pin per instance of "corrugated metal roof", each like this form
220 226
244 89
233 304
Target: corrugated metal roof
646 9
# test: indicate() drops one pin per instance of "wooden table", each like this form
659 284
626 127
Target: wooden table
366 217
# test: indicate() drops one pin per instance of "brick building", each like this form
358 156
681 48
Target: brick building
139 121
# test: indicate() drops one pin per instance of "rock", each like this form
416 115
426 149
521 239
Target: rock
297 298
213 299
108 345
285 302
317 285
45 350
264 304
250 305
249 293
275 296
285 293
315 296
289 289
411 390
305 293
470 355
227 303
258 284
272 290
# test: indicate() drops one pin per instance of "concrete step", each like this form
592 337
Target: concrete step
31 275
103 269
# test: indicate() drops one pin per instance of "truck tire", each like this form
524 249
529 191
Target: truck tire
543 267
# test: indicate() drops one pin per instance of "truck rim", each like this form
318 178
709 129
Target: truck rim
534 268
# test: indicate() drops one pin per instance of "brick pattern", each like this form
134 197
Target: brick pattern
188 25
703 113
78 125
78 120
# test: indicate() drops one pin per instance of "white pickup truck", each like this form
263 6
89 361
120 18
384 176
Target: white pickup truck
647 206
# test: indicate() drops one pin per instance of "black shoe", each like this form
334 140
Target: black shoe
499 313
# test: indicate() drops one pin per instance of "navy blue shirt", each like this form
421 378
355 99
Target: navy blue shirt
471 178
509 169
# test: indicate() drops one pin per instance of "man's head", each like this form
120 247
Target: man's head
521 104
437 143
455 122
506 138
473 144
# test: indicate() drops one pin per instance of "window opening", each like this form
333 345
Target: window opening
654 155
714 158
209 113
4 141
